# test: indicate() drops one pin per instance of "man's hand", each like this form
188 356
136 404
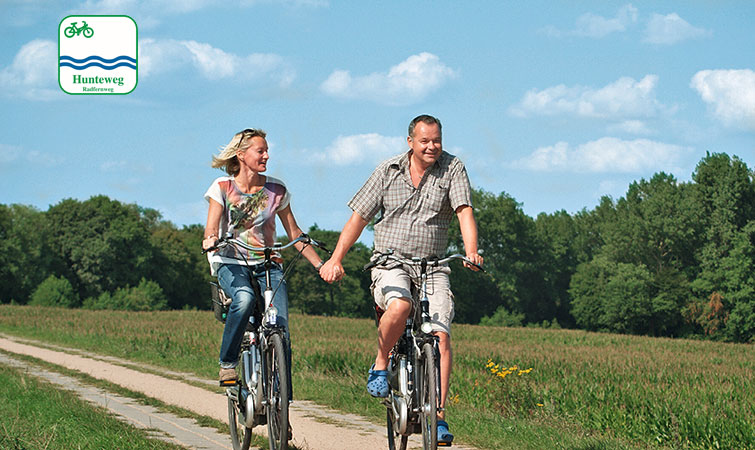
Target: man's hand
475 258
332 271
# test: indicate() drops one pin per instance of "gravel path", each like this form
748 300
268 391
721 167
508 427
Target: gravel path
315 427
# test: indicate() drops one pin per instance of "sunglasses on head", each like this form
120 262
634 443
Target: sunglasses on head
244 133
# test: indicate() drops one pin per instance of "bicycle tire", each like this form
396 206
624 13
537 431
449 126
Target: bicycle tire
88 32
241 435
395 439
428 397
69 32
277 393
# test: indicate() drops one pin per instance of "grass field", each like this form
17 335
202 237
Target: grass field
584 390
38 415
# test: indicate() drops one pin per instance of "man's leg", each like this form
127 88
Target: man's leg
446 363
392 324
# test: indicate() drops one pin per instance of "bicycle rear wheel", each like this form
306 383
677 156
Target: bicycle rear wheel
241 435
277 393
428 397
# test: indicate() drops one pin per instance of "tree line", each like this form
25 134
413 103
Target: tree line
668 258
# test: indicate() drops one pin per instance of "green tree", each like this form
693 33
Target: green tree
726 199
146 296
24 251
514 259
101 244
351 297
178 265
55 291
558 234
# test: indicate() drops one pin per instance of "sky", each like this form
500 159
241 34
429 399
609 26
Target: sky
555 103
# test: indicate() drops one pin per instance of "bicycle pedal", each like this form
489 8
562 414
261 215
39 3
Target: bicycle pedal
228 383
444 444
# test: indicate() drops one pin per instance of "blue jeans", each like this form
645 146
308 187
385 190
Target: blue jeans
234 279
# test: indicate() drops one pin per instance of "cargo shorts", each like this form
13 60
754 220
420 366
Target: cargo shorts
391 284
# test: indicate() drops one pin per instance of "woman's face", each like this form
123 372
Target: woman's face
255 156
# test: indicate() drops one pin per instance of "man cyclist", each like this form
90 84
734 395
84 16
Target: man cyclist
416 193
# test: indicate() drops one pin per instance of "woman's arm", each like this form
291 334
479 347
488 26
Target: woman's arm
212 229
293 231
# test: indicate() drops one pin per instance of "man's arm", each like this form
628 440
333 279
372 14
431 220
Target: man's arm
468 228
333 270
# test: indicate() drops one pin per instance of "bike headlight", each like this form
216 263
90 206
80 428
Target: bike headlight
426 327
271 316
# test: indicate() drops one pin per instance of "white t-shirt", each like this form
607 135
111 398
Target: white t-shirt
253 216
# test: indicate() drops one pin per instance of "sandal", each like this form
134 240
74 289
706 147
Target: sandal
377 383
444 436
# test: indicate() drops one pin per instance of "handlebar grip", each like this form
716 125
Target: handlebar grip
479 267
369 265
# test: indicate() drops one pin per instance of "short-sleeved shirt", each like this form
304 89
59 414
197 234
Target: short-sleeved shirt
254 216
414 221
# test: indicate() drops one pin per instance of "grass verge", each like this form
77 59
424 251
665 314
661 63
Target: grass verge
585 390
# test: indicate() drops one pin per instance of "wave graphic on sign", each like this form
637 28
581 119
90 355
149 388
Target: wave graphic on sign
97 61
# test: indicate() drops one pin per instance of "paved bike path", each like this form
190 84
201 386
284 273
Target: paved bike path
315 427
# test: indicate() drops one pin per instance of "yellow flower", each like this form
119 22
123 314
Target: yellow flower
540 405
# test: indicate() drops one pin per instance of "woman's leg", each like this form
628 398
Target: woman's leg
234 279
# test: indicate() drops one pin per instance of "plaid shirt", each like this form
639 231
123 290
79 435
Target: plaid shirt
414 221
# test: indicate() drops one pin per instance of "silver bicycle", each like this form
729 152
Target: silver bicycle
262 393
413 400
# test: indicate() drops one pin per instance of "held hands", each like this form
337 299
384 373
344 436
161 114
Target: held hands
331 271
475 258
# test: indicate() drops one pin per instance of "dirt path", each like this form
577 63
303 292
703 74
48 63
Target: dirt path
315 427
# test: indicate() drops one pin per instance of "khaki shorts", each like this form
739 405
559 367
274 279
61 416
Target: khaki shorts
391 284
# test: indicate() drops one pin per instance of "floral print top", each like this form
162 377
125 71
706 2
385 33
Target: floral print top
252 217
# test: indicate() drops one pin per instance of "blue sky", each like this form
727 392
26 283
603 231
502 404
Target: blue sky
554 103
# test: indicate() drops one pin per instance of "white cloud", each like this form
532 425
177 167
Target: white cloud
623 98
361 148
607 154
408 82
630 127
594 26
671 29
126 166
33 73
730 94
161 56
10 154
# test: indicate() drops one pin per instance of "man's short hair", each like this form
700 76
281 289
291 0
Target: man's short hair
425 118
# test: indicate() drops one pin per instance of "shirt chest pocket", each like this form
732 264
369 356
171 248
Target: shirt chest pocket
436 197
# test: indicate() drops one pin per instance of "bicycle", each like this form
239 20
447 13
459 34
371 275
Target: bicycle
413 400
262 393
73 30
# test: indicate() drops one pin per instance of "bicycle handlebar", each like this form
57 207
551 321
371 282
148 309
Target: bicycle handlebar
384 257
222 242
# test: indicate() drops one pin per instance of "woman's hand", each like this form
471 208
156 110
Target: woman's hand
209 242
331 271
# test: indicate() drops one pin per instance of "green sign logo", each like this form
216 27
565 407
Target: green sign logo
72 30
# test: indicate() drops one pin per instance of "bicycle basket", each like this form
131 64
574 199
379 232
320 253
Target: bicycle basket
220 302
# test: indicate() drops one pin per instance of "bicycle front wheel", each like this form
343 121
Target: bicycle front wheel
395 441
241 435
277 393
428 396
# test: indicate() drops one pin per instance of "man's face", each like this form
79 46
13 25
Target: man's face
426 144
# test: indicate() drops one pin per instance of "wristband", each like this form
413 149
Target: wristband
319 266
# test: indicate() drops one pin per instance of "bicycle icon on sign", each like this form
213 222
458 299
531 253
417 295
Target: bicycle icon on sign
73 30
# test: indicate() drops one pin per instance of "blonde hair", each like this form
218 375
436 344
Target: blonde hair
227 159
